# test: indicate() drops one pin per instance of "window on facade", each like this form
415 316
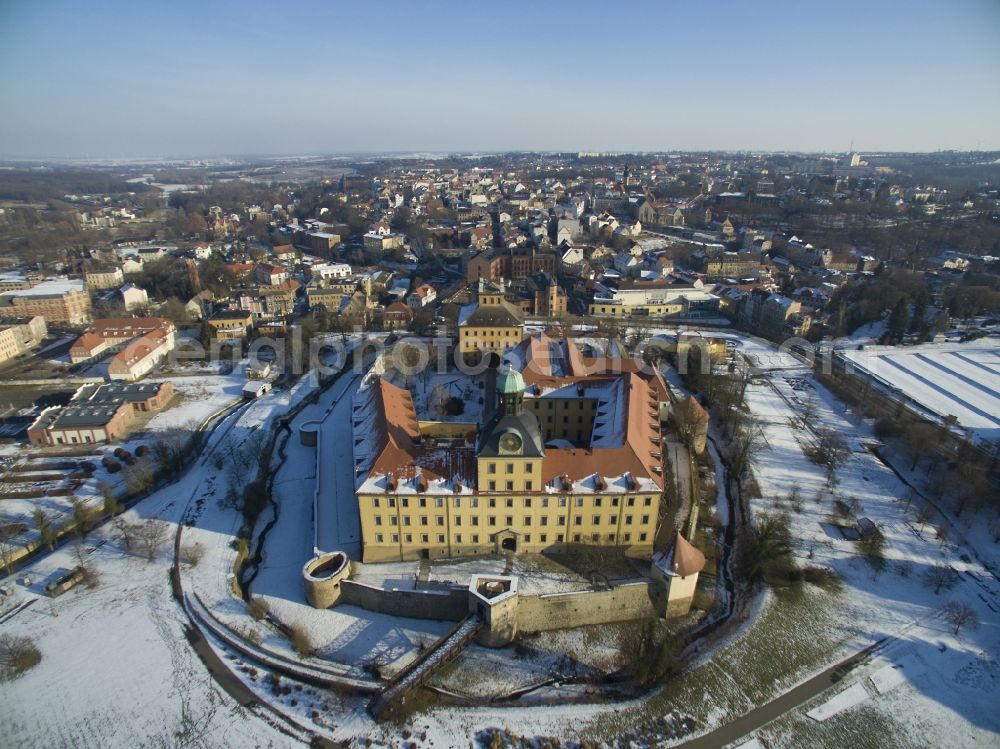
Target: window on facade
628 520
562 520
475 520
440 519
423 520
545 501
424 538
405 502
392 520
611 537
645 519
577 538
578 520
457 503
597 519
439 502
545 519
642 536
597 501
493 520
510 501
492 487
529 467
648 502
474 501
408 538
491 467
392 501
458 538
510 486
510 520
475 538
440 538
379 538
631 501
527 520
509 468
579 502
375 502
423 502
562 501
378 520
614 501
395 538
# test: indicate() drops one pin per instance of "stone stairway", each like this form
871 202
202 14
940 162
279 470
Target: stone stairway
421 669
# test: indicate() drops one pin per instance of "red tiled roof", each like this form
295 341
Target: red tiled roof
687 560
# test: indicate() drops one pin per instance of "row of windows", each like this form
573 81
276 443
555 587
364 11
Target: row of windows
526 520
525 502
509 467
526 538
508 486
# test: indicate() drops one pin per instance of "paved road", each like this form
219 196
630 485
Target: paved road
761 716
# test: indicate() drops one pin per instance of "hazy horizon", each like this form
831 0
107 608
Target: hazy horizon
195 81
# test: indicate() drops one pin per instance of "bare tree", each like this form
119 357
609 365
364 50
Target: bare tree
138 477
151 535
925 513
43 524
961 614
127 532
17 655
940 576
747 442
831 450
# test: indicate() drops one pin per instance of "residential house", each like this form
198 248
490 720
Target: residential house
230 325
18 335
422 296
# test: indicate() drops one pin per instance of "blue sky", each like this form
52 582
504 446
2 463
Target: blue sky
116 79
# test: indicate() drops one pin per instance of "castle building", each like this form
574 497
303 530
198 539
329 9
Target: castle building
567 452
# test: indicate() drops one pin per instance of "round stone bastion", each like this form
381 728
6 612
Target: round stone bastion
322 575
309 433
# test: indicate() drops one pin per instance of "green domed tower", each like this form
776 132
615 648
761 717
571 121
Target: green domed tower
510 391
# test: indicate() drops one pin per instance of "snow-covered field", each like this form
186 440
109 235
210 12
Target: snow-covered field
947 697
118 671
951 379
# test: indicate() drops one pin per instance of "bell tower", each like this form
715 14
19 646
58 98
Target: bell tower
510 391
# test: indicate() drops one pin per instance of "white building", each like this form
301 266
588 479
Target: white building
134 297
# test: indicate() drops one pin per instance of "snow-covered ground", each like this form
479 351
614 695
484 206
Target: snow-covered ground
117 670
945 700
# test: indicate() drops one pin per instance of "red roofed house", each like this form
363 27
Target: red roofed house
423 295
269 275
143 342
396 315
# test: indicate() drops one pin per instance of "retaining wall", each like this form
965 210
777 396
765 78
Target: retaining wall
450 604
565 610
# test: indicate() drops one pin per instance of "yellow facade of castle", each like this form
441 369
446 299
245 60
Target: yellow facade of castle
569 453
